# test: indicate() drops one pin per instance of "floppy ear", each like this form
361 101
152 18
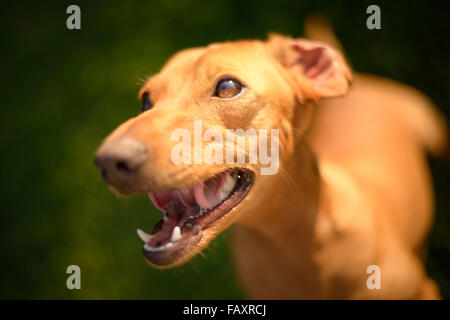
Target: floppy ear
319 69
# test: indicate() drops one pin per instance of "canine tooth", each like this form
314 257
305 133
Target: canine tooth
230 182
161 248
176 234
144 236
223 195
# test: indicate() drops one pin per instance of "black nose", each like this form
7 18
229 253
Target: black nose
120 159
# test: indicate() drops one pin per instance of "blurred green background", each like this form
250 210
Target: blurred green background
63 91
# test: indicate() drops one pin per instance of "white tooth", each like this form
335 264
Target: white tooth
230 182
144 236
223 195
161 248
176 234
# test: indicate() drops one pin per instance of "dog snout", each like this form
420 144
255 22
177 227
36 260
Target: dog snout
119 160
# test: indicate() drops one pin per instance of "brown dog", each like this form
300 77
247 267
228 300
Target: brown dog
353 189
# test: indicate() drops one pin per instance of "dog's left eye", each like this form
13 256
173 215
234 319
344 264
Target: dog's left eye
146 103
228 88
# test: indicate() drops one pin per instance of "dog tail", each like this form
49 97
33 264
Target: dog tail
428 124
424 119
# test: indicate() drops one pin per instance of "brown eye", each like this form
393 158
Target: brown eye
228 88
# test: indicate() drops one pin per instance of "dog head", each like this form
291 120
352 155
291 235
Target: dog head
216 124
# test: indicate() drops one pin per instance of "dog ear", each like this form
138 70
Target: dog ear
319 69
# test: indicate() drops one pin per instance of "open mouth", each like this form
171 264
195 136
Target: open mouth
188 212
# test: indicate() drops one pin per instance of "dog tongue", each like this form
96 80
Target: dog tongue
161 199
186 197
207 194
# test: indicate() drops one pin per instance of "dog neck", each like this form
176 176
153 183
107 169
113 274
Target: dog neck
294 195
280 236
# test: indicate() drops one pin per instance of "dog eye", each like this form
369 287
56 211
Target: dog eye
228 88
146 103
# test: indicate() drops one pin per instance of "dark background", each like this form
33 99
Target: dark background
63 91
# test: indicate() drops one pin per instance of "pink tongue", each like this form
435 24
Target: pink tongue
207 194
186 197
161 199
